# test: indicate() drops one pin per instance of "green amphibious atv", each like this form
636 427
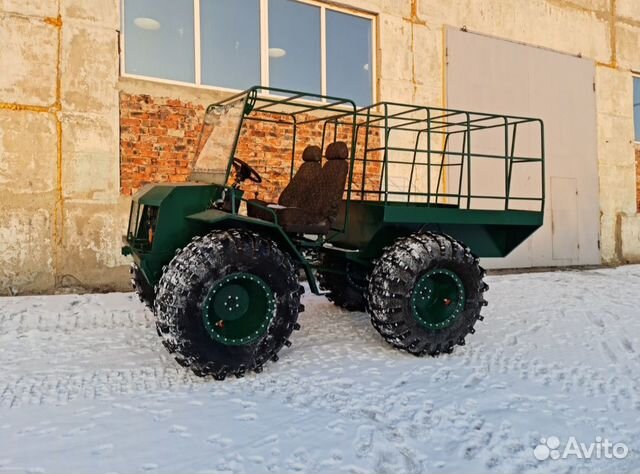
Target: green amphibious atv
378 206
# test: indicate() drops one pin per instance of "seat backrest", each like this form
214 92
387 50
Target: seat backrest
303 187
334 177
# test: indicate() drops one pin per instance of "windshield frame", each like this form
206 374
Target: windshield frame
288 105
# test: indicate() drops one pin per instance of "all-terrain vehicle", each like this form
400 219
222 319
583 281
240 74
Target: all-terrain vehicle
372 204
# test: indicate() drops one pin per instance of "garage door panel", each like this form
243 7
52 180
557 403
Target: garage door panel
493 75
564 219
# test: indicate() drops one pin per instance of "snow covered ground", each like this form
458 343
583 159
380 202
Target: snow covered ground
85 386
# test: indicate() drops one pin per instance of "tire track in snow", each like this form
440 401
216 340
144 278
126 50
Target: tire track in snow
16 391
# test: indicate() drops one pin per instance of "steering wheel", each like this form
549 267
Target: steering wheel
244 171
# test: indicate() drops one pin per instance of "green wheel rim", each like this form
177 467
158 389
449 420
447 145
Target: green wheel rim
438 298
238 309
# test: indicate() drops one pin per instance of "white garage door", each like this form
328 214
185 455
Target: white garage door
491 75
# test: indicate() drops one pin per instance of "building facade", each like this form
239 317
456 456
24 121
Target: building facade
98 98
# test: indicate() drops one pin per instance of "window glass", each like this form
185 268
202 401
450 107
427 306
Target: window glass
294 46
217 141
159 42
349 57
230 43
159 39
636 106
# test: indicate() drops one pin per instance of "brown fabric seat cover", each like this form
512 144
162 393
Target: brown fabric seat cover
299 190
334 177
303 186
312 201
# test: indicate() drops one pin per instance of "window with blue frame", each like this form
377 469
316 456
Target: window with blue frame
294 46
309 46
349 57
230 43
159 39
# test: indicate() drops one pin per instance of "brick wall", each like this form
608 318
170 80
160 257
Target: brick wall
158 138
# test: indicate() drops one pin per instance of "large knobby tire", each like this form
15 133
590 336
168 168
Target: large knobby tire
345 290
212 271
425 293
141 286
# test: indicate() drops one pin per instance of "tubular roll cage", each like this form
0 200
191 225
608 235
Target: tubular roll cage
441 127
431 122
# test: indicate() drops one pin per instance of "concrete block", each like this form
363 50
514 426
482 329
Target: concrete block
28 59
26 264
428 55
608 238
630 235
429 94
89 69
615 140
396 7
599 6
393 7
614 92
628 9
457 13
90 164
396 91
556 25
92 234
617 188
28 152
41 8
628 46
396 61
104 13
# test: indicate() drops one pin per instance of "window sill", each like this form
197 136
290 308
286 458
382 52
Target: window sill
185 91
204 95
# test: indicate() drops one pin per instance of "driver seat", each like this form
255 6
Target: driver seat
322 198
312 197
298 192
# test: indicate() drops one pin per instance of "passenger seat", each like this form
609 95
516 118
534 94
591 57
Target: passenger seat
334 177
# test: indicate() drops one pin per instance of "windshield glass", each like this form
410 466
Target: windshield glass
217 141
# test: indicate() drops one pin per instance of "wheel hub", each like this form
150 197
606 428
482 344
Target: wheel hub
231 302
438 298
238 309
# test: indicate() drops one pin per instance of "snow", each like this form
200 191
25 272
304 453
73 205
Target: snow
85 386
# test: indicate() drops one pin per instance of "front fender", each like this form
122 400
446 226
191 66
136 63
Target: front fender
217 219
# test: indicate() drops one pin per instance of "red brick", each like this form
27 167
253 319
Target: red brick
149 153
